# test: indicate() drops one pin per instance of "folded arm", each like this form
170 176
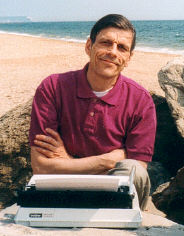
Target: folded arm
49 156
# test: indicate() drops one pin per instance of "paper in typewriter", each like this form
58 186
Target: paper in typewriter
94 183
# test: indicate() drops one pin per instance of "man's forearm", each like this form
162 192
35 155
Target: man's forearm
87 165
49 156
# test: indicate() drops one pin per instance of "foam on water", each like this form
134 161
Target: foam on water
160 50
152 36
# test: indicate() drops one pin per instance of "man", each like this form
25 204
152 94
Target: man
96 121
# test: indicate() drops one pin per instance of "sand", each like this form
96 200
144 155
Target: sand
25 61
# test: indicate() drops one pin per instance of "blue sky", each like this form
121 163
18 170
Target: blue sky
64 10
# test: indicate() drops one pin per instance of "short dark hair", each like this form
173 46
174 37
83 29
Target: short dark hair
116 21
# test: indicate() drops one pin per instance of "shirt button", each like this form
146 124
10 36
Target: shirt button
95 99
92 113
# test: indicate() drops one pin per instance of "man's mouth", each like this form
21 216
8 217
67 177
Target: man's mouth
109 61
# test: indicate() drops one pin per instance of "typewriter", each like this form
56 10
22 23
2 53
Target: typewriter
102 201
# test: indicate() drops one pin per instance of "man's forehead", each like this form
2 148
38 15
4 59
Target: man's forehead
111 33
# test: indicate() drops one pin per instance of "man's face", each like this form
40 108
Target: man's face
110 52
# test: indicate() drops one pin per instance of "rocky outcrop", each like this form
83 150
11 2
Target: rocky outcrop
15 167
169 197
158 174
152 225
171 79
169 145
14 127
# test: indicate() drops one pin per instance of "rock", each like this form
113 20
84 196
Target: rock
169 197
15 169
152 225
169 145
158 175
171 79
14 127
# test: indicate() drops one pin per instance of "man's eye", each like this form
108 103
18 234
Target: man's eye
106 43
122 48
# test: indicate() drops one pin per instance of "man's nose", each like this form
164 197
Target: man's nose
113 49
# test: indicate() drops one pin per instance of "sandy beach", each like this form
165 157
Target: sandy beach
25 61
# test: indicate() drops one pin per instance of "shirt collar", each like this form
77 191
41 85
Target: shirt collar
84 90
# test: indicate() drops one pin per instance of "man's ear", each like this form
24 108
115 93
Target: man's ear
131 54
88 47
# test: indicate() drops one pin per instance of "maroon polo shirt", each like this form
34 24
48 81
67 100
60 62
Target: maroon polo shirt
88 125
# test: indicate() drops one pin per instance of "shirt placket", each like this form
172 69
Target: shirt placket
91 117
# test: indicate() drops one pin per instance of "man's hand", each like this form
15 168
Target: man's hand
51 146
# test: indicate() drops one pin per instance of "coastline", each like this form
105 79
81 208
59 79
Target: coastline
26 60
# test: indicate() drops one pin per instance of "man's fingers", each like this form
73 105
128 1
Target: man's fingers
53 139
44 145
45 152
46 139
54 134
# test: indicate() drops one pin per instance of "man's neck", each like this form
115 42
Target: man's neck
99 83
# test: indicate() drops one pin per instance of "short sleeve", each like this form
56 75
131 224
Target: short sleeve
141 134
44 111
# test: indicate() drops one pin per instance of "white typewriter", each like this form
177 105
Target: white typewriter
79 201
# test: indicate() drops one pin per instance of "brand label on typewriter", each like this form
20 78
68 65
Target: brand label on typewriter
49 215
35 215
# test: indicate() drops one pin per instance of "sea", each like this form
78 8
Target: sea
166 36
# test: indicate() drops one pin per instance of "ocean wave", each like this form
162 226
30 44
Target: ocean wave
45 36
75 40
160 50
21 34
72 40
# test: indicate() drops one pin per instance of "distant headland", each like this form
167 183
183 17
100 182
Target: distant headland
13 19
